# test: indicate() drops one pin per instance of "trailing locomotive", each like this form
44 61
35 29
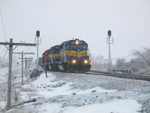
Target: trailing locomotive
55 58
71 56
45 61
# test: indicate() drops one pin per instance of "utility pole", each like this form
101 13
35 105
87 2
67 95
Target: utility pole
27 66
10 48
26 62
22 57
109 41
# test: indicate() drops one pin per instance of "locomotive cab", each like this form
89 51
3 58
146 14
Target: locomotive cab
55 57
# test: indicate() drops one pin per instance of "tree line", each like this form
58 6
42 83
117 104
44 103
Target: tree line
138 64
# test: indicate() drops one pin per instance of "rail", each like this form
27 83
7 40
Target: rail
119 75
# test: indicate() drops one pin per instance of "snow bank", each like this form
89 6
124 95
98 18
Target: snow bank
118 106
49 87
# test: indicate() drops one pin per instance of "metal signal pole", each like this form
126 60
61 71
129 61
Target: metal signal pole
37 41
109 41
10 48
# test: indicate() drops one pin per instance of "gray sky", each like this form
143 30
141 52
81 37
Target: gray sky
89 20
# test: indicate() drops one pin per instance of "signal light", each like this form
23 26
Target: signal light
109 33
38 33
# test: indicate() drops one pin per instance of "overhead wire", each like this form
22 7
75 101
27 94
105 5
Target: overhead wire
4 31
5 54
3 26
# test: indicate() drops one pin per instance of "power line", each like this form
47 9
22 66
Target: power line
3 26
5 54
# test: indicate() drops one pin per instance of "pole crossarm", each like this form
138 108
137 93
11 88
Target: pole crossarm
17 44
26 58
23 53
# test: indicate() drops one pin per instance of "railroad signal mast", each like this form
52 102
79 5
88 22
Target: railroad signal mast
109 41
37 41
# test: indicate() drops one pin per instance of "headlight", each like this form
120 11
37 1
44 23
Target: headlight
86 61
77 42
74 61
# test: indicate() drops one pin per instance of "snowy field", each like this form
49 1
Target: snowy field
80 93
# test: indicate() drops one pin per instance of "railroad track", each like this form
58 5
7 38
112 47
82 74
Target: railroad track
119 75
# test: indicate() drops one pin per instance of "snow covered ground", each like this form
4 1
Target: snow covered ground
81 93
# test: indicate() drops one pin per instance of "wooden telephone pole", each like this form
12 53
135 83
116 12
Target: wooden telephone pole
22 57
10 48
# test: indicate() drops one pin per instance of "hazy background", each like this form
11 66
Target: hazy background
89 20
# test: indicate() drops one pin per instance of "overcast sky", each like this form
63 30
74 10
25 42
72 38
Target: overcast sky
89 20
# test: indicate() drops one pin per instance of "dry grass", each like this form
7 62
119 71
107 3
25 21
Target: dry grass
28 90
145 72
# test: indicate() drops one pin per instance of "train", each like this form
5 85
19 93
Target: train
70 56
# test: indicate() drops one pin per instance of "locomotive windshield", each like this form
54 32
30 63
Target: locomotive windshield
80 46
55 50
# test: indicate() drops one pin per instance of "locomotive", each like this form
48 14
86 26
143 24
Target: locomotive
45 61
69 56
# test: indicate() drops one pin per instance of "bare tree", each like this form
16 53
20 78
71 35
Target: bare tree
144 56
120 63
98 62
